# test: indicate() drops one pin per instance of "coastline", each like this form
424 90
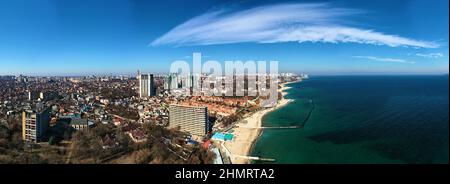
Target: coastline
246 132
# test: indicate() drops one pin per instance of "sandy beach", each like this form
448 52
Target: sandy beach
248 130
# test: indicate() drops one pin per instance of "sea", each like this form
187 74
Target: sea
360 119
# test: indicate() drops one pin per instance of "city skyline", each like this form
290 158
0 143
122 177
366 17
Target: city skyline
223 82
52 38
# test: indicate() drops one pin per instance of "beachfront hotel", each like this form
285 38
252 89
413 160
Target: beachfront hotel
192 119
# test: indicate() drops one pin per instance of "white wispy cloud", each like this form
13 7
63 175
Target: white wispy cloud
430 55
392 60
280 23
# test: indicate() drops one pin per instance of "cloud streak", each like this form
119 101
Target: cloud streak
430 55
390 60
280 23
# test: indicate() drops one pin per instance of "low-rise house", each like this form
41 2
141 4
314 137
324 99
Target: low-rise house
118 121
109 142
80 124
137 135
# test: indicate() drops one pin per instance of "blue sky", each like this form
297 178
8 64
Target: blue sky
85 37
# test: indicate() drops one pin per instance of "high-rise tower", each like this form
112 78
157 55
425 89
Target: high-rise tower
146 85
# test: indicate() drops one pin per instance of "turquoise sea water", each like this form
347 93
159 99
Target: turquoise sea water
361 119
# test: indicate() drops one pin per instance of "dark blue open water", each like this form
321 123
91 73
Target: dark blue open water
361 119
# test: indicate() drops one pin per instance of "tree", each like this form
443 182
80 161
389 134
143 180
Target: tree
52 141
142 156
124 140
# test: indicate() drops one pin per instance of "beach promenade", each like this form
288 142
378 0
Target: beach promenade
245 137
